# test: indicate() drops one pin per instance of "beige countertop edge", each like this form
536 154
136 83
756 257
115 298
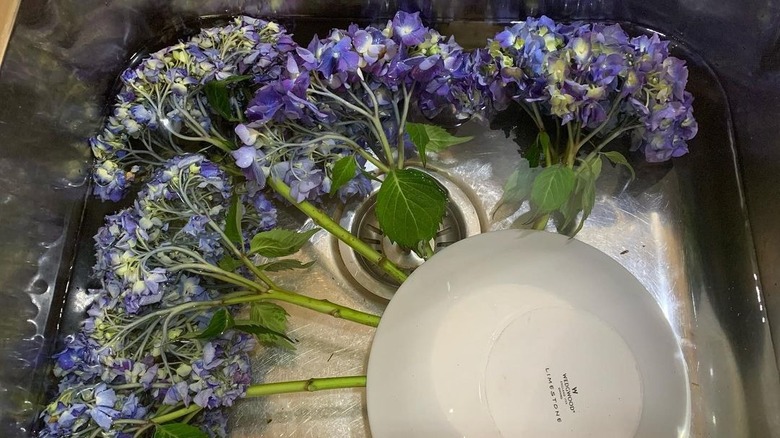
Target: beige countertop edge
8 9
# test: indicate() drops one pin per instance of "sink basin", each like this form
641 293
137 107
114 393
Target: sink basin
681 228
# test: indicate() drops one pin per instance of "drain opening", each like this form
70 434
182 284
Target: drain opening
460 220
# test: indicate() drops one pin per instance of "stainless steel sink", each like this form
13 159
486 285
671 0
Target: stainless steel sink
681 228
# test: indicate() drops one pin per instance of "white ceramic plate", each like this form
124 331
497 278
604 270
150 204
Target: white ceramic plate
525 334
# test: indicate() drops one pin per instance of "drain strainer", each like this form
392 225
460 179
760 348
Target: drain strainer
461 220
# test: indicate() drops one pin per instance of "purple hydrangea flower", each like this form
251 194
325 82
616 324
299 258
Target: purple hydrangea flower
306 181
265 213
103 412
409 28
146 290
164 96
359 186
285 98
196 225
338 57
252 162
80 358
223 374
111 180
179 392
248 136
63 419
591 75
214 422
132 408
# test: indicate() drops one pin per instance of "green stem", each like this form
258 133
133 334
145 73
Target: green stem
538 117
356 147
378 125
241 256
176 414
143 429
532 115
571 148
385 142
375 123
548 159
263 389
189 417
241 297
310 385
220 274
321 306
320 218
325 306
613 136
129 421
601 126
402 125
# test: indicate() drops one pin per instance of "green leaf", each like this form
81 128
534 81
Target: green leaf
432 138
583 199
233 220
279 242
229 264
274 317
270 315
218 96
259 330
517 188
619 160
526 219
178 430
552 187
410 206
220 322
594 167
586 188
343 171
284 265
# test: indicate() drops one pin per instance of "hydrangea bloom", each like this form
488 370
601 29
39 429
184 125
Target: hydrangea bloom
169 212
115 369
590 75
214 422
350 93
305 180
127 388
162 104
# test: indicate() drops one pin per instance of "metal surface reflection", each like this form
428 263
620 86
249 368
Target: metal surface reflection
682 229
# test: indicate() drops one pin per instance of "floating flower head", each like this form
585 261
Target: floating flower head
593 75
163 103
180 207
399 61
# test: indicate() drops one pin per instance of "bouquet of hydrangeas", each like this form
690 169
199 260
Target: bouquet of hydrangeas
584 85
210 133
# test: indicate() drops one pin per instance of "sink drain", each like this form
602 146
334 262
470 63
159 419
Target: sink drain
461 220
